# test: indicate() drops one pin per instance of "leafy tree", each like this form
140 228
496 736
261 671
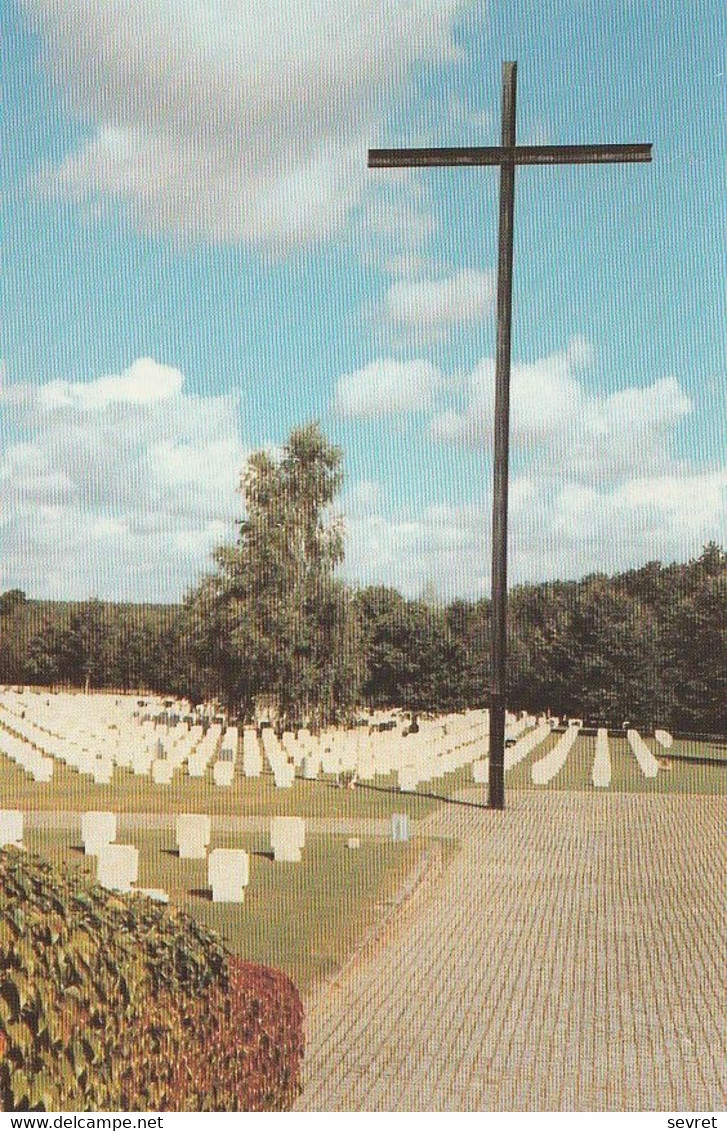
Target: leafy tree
11 600
274 621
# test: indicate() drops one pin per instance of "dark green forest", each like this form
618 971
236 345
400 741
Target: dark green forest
272 621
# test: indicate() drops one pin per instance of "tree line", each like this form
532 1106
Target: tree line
272 623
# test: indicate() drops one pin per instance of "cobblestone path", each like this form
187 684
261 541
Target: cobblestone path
567 958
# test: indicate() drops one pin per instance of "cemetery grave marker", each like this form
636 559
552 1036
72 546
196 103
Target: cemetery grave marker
601 772
547 768
11 827
194 832
647 761
287 838
228 874
118 867
400 828
98 828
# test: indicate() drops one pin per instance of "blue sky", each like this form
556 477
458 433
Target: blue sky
195 258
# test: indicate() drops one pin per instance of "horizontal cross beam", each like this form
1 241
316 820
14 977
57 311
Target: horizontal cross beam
503 155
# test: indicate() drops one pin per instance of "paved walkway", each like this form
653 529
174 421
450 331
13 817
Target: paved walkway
568 958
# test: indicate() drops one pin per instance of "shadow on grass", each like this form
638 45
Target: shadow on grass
201 893
693 759
265 853
428 795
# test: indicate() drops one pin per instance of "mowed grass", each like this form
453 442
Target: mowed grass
676 774
303 918
70 791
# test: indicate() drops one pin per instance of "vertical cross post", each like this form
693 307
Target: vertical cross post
507 155
498 624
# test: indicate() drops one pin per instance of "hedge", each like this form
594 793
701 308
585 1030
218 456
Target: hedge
115 1003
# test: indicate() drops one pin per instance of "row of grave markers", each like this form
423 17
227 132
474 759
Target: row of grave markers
437 748
228 869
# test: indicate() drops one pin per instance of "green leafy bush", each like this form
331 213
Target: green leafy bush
107 1003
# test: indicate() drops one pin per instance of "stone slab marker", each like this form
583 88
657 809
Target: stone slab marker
287 838
161 771
408 779
157 895
252 762
647 761
224 768
400 828
547 768
103 770
43 770
284 775
481 771
228 874
601 772
194 832
98 828
664 738
517 753
11 827
223 773
118 867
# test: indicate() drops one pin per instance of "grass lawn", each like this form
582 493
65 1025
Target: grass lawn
70 791
302 918
626 777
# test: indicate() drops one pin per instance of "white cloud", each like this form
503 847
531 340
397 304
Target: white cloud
437 547
234 120
567 424
557 530
118 486
145 382
595 484
433 304
387 386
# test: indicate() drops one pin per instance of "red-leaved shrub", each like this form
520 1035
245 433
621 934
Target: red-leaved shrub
243 1044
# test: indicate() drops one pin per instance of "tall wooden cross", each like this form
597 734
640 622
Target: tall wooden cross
507 156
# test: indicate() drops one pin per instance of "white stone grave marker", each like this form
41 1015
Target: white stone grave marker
103 770
118 866
11 827
43 770
157 895
400 827
194 832
647 761
252 762
546 769
601 772
98 829
228 874
481 771
287 838
408 779
223 773
161 771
